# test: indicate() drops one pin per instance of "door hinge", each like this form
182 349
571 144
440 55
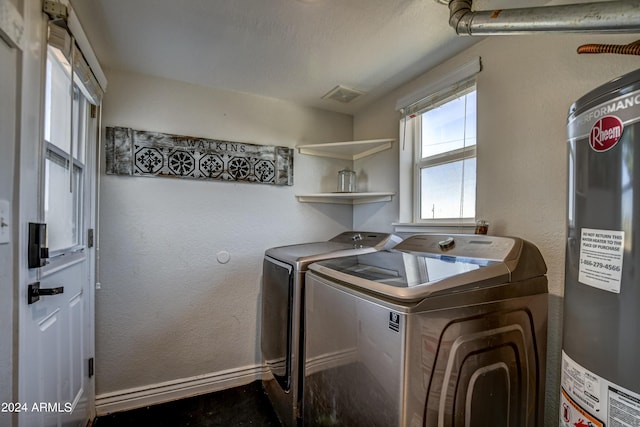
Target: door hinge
90 367
55 9
90 238
93 111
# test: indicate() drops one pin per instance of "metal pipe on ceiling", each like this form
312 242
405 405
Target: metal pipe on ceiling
621 16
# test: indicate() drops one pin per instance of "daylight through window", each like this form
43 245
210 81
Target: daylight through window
446 164
442 131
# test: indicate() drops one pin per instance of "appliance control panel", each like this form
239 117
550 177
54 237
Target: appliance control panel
465 246
361 238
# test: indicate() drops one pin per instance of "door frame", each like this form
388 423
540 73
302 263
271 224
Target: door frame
11 30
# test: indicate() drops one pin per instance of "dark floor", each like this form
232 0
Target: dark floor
242 406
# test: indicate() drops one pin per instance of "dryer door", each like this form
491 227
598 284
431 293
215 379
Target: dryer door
277 300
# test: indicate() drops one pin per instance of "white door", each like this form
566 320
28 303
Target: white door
56 331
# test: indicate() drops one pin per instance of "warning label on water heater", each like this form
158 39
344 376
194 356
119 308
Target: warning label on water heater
589 400
601 254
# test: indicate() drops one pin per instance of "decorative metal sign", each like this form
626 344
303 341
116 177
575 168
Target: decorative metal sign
142 153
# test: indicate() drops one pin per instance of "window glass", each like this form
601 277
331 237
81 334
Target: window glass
450 126
66 119
62 208
445 170
57 122
448 190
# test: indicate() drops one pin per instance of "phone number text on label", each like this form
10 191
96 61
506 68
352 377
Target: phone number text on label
597 264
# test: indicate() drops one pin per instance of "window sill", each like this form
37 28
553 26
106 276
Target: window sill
457 227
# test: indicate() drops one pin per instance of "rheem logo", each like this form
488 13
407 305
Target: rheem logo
605 133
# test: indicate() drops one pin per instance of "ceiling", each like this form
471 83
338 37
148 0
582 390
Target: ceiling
296 50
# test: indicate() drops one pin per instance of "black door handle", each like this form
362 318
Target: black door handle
34 292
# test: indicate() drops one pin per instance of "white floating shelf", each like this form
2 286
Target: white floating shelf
345 198
348 150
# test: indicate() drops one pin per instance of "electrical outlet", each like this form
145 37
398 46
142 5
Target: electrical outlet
5 222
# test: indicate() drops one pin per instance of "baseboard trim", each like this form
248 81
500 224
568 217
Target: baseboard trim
152 394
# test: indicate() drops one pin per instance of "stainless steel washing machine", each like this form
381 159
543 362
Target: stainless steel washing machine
283 278
440 331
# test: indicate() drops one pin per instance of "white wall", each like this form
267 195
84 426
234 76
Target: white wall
525 89
167 308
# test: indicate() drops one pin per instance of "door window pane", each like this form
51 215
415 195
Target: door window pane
66 130
57 118
63 202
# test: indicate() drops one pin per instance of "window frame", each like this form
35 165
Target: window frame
411 128
411 162
73 160
437 160
53 151
435 86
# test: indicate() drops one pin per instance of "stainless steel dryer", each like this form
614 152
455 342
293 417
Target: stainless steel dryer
440 331
283 278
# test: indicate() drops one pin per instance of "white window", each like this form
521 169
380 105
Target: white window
70 130
445 167
65 134
438 151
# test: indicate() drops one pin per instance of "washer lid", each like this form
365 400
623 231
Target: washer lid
429 265
344 244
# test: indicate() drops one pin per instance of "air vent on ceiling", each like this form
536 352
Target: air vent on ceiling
342 94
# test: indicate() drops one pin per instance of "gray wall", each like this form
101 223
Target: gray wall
167 309
524 92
